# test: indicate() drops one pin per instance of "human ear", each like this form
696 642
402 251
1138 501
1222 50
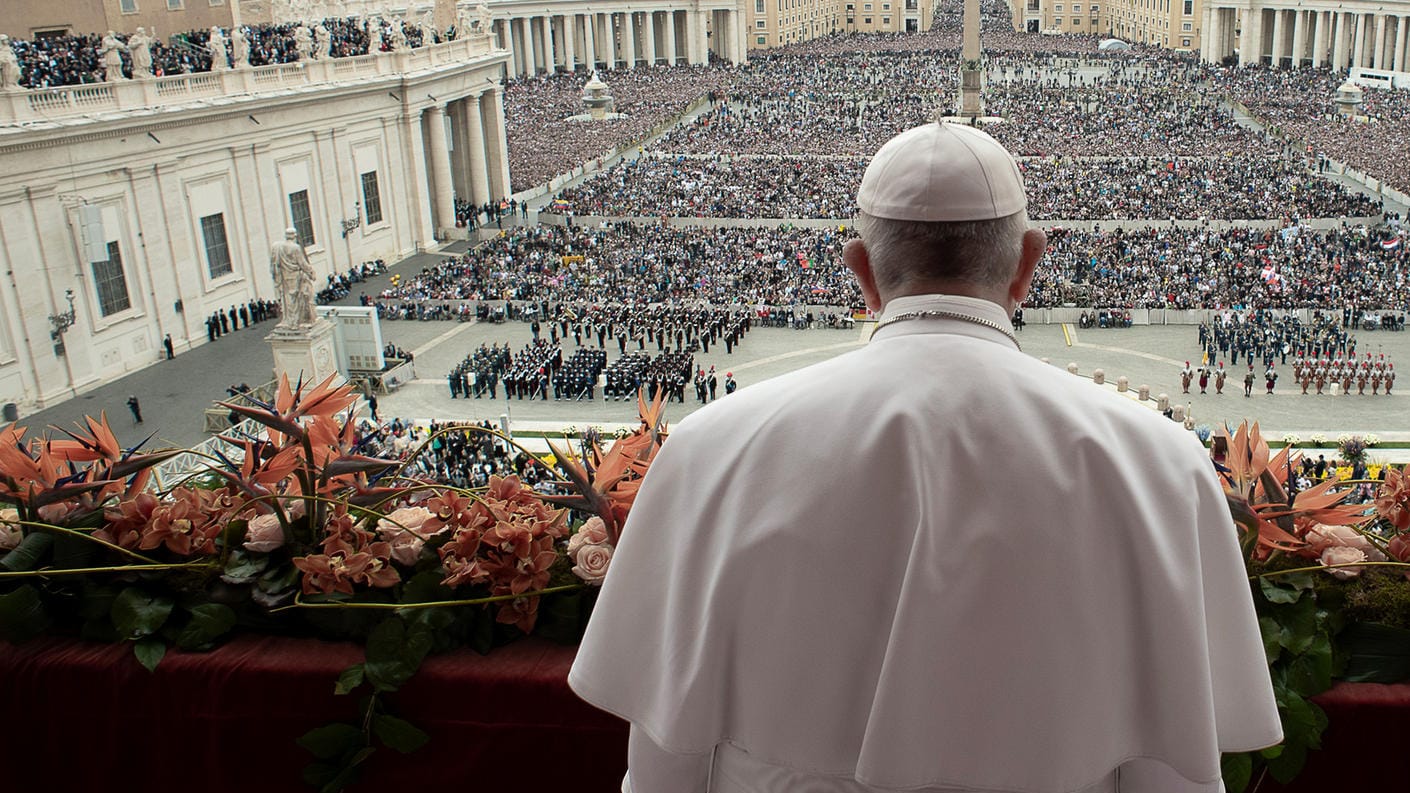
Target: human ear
854 255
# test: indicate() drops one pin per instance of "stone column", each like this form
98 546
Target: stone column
702 44
1358 42
1246 38
1299 46
1278 16
1399 61
526 40
414 150
506 37
570 35
549 59
670 38
475 160
442 195
629 38
648 39
736 53
1212 35
590 41
1320 20
1379 61
1338 40
497 158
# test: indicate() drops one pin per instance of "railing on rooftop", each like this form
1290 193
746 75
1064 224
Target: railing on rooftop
43 104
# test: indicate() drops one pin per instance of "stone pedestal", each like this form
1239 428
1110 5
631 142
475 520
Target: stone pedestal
304 352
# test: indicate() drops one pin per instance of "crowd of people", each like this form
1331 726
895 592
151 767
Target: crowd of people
1172 267
545 140
773 186
463 456
77 59
633 264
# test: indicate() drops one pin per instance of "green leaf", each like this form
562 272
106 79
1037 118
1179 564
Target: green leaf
1271 632
350 679
28 554
149 652
22 614
398 734
1376 653
1311 673
1277 592
1286 766
242 568
1237 770
394 653
209 621
350 771
425 587
137 614
332 740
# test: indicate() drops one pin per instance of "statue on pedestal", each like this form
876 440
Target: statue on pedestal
9 65
374 35
240 47
485 18
322 42
293 276
429 33
303 44
139 46
110 55
220 58
399 42
463 23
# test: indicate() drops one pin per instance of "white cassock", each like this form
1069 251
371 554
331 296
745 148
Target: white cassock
931 564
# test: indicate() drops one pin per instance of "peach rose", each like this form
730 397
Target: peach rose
592 562
400 530
1341 554
263 533
1322 537
592 532
10 533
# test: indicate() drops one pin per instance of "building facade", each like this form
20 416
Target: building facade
153 203
1339 35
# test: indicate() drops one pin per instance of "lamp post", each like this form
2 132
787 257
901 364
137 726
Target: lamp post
61 323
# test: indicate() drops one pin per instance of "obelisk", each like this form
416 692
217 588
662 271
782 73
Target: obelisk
971 70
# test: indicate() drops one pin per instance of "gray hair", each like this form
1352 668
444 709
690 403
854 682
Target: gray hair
982 252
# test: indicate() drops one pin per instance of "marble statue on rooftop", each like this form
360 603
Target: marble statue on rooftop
485 17
9 65
322 42
374 36
110 55
293 276
220 55
303 44
139 46
240 47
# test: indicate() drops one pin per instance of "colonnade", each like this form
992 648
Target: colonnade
1293 37
464 152
591 40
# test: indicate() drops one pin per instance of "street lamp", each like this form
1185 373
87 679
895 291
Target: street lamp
62 322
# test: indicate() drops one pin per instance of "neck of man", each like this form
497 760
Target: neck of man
947 286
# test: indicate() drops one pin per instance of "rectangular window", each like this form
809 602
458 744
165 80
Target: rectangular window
217 245
1058 8
758 6
302 220
885 6
761 41
175 5
761 24
866 20
866 7
217 2
1189 7
110 283
371 198
128 6
1187 27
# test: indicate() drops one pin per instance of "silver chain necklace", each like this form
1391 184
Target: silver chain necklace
942 314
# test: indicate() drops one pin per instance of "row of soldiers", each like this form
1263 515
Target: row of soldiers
480 372
1321 372
1261 336
222 321
668 372
1324 371
682 328
577 379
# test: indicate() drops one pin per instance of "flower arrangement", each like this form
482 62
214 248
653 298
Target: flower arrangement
1318 439
1329 576
299 526
1352 448
1292 439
